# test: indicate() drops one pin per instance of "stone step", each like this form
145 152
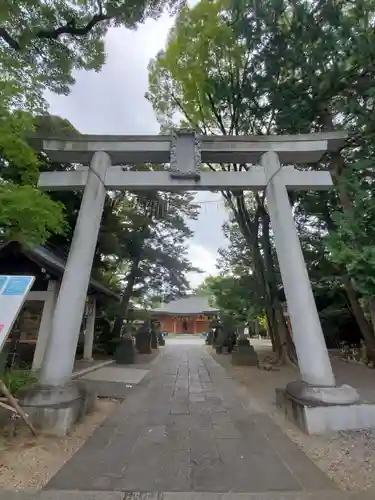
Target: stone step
118 495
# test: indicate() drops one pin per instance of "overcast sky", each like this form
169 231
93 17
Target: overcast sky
113 102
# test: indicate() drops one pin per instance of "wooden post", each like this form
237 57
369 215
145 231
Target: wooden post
14 404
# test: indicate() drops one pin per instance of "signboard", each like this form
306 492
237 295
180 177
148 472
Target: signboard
13 292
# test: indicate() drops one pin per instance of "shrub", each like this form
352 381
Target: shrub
19 379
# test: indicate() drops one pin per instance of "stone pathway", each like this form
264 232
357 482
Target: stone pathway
184 429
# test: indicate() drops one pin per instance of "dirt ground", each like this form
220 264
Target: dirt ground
27 463
347 457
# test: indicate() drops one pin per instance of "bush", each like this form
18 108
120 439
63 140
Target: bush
19 379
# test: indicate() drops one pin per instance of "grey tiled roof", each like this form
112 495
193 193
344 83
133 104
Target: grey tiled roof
46 257
195 304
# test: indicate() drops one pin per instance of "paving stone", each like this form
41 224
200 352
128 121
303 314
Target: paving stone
191 496
226 430
197 397
207 468
98 464
177 435
209 475
180 408
143 468
301 495
17 495
175 471
81 495
309 475
247 469
117 373
137 495
110 390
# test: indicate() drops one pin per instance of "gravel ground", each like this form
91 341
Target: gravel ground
28 464
347 457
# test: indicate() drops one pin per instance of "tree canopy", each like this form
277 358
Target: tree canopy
45 41
42 44
235 68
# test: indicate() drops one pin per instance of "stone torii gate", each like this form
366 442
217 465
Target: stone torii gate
185 152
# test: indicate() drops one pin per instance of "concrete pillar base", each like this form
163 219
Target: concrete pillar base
328 418
55 410
321 396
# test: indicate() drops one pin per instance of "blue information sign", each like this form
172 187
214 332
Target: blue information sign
3 280
17 285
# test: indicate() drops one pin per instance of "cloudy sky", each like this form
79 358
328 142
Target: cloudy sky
113 102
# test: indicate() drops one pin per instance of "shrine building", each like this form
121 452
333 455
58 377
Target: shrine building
191 314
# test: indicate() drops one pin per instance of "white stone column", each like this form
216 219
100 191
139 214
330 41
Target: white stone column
59 357
45 323
90 330
312 353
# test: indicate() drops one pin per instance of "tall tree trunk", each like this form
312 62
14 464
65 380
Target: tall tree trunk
371 305
249 230
271 334
365 327
281 341
125 299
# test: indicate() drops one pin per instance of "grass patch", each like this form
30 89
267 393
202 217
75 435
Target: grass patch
19 379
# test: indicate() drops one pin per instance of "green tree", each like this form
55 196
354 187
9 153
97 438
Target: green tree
41 45
26 214
211 77
46 41
332 83
240 68
152 248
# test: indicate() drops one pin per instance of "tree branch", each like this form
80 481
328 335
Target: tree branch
216 113
8 39
70 28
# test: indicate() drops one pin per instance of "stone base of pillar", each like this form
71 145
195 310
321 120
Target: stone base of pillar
244 355
322 396
55 410
322 417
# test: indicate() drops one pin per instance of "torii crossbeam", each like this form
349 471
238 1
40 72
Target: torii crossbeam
185 152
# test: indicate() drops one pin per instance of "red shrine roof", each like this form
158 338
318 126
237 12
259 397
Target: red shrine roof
187 306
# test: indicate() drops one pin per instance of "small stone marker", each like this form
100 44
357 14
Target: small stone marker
244 354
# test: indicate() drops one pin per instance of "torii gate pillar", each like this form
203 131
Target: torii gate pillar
58 403
313 360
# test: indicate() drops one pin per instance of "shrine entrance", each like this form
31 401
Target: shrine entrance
268 160
190 315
